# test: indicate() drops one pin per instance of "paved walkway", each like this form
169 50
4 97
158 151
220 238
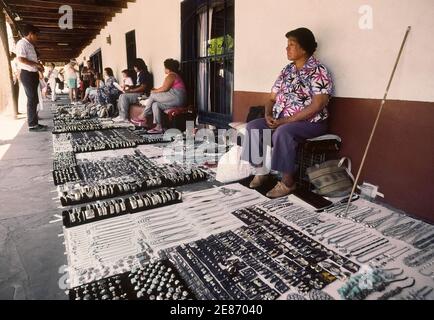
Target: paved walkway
31 253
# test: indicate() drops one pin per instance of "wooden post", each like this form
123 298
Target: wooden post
7 86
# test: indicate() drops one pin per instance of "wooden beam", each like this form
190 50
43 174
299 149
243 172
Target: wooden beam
54 14
75 5
76 26
55 18
66 32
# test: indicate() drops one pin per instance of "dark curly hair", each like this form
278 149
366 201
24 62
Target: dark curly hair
305 39
172 65
29 28
141 65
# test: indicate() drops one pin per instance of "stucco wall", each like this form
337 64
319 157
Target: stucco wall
360 60
157 25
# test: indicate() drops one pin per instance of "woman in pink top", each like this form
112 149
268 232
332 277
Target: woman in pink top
172 94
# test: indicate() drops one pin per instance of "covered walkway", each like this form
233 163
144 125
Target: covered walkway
31 253
132 223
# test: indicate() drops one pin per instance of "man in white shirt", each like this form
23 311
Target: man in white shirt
30 66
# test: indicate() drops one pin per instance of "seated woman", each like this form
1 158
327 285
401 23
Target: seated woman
296 111
171 94
132 94
108 94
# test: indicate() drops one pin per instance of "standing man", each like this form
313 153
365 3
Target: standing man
30 67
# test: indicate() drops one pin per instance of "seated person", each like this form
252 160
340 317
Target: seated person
127 81
100 84
296 111
171 94
109 93
91 87
132 94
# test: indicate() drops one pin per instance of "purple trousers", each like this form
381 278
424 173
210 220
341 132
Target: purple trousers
285 140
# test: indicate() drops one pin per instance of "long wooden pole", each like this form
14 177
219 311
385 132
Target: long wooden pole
376 121
5 44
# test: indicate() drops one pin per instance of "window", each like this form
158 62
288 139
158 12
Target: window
208 39
130 39
96 60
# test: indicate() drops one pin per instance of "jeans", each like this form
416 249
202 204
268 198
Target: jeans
30 82
161 101
285 140
125 100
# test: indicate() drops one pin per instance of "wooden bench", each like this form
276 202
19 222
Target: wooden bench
173 118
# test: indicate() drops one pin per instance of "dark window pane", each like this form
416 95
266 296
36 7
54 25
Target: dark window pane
208 52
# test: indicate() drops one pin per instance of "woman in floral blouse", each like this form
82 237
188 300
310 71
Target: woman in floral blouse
295 112
108 94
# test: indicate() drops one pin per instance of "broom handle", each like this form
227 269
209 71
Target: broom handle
377 120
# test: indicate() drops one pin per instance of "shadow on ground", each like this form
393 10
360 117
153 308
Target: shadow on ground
31 253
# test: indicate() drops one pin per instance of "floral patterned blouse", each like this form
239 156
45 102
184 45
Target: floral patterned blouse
296 88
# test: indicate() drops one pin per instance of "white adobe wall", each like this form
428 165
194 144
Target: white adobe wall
157 25
361 60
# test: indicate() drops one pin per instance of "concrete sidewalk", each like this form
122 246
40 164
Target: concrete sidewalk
31 253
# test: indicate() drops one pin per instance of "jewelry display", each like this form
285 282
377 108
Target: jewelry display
319 295
396 291
152 281
295 297
206 266
62 125
425 242
247 265
119 186
259 261
383 258
427 269
361 285
129 234
264 259
198 216
375 253
148 231
64 160
81 112
390 224
135 165
62 143
63 176
116 207
421 294
110 139
419 258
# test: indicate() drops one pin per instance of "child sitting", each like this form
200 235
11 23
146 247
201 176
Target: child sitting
127 81
92 87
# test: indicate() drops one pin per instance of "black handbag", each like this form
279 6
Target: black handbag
256 112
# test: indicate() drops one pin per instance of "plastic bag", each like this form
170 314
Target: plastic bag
231 168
